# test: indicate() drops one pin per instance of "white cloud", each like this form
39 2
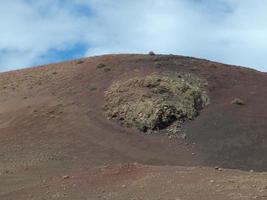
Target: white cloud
231 31
29 30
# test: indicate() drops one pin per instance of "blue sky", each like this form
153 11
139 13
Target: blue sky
35 32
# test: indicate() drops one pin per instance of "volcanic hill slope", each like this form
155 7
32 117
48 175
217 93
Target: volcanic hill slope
56 143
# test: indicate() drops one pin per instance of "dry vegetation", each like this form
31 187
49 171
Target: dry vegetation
156 102
29 80
238 101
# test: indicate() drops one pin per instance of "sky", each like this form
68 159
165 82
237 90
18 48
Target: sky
37 32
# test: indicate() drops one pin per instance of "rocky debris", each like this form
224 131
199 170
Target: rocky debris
106 69
218 168
238 101
66 177
156 102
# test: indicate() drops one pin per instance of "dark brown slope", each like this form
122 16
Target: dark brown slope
52 116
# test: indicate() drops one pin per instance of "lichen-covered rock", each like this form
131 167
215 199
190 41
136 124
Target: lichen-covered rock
156 101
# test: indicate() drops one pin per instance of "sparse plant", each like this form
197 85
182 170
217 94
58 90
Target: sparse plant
80 62
238 101
101 65
151 53
158 64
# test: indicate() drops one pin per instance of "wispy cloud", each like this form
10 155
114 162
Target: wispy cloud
29 29
36 32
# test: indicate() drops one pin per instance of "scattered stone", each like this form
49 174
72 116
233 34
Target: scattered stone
123 186
103 191
231 181
183 136
251 171
171 137
107 69
66 177
218 168
238 101
193 154
93 88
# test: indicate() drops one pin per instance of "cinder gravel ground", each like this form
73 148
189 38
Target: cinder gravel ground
55 142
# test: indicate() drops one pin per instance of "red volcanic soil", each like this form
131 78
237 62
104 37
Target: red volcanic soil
55 142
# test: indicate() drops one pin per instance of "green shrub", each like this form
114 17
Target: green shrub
155 102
